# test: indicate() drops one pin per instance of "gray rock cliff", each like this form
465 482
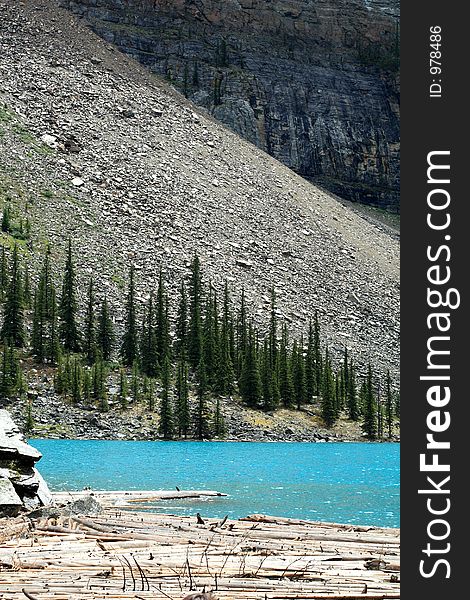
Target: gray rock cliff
312 82
21 484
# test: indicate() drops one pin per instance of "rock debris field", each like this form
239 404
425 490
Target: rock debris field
99 149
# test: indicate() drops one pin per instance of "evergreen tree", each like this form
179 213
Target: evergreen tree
68 307
182 398
195 319
45 342
268 379
344 377
310 371
10 371
149 350
62 379
90 346
3 273
369 424
286 385
105 333
201 417
250 380
27 298
273 331
298 370
76 382
86 386
6 218
317 356
135 383
210 342
129 342
351 394
181 344
242 335
162 326
328 409
166 414
219 421
13 317
397 404
151 395
225 373
29 424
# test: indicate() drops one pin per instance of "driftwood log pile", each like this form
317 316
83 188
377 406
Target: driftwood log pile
119 554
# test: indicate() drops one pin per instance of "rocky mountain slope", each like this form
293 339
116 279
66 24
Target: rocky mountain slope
95 147
312 82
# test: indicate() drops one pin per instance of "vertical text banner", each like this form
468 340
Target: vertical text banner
435 325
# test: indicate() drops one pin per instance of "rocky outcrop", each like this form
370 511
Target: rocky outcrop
21 485
314 83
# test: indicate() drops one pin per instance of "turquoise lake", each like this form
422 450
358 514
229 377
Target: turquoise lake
337 482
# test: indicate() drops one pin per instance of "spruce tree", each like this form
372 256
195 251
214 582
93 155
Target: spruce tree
129 341
45 337
195 341
317 356
149 350
76 382
162 326
166 414
286 385
397 405
182 400
369 424
268 379
242 335
135 382
273 331
310 372
68 307
86 386
27 297
250 380
6 218
328 409
90 346
201 416
298 371
351 394
181 344
13 317
3 273
225 374
105 333
10 371
219 421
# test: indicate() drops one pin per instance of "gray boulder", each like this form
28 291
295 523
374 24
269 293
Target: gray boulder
21 485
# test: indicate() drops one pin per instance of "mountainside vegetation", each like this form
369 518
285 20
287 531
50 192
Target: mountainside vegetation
175 355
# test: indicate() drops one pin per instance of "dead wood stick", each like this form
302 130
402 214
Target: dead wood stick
28 595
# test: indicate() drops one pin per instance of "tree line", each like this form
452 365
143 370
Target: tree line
180 353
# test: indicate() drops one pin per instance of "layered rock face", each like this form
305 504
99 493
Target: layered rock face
312 82
21 485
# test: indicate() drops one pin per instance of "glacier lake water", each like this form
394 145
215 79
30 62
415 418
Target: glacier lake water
354 483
